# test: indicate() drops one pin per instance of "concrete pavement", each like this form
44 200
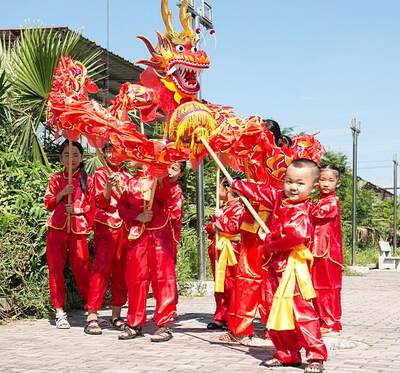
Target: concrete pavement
370 341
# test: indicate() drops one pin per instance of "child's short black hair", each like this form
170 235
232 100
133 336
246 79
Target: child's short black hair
305 162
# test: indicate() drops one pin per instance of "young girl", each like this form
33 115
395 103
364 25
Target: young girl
225 225
68 238
327 250
151 254
110 239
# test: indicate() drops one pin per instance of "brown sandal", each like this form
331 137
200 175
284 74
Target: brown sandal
130 333
118 323
314 367
232 338
92 327
274 363
162 334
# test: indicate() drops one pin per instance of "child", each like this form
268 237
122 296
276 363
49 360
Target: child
110 238
58 238
293 323
250 293
327 250
151 254
224 226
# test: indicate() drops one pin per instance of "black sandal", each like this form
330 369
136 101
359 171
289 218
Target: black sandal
162 334
118 323
314 367
130 333
274 363
92 327
214 326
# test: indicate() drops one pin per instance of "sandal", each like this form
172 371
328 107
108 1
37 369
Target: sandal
274 363
62 321
162 334
92 327
232 338
314 367
214 326
118 323
130 333
103 323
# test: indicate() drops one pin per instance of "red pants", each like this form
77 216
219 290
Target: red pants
306 335
109 260
327 281
222 300
247 295
151 258
56 252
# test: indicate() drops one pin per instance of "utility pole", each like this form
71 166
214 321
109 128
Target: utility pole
395 164
201 16
355 129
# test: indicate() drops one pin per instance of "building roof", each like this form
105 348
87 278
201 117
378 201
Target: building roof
120 70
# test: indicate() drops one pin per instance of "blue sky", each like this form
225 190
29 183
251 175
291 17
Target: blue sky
311 64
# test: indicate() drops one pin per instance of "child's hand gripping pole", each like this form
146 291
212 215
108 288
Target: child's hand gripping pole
246 202
104 163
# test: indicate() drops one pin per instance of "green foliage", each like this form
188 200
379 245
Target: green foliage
23 268
28 74
374 215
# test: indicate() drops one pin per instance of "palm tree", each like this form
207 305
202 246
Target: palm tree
29 71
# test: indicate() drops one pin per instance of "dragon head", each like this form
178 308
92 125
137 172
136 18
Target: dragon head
175 59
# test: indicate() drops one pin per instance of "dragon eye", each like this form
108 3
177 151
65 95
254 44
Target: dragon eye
194 49
179 48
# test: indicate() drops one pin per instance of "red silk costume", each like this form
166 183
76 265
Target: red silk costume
328 261
290 226
110 239
151 253
58 239
226 225
175 212
249 295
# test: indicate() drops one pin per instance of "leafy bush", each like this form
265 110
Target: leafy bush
23 268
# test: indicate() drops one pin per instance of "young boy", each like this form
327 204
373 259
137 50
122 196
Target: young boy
327 268
293 323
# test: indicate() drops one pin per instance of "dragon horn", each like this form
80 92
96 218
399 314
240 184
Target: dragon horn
186 19
148 45
167 17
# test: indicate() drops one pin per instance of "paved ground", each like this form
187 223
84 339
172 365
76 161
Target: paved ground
370 341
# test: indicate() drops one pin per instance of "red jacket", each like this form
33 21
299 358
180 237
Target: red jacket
328 230
107 210
229 221
82 222
135 199
289 223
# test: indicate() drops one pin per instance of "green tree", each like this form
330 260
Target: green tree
28 73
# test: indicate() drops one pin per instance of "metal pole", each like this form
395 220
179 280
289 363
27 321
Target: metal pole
355 129
395 163
200 173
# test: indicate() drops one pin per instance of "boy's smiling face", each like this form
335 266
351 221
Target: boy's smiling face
299 183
